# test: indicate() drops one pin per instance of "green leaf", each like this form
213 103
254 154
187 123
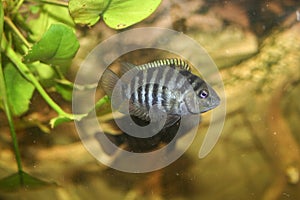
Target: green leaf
65 89
19 90
87 12
47 15
121 14
59 120
45 73
21 180
117 14
57 46
67 118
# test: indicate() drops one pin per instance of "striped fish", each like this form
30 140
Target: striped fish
160 87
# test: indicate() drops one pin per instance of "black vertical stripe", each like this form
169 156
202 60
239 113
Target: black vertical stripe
133 91
164 97
185 73
155 94
147 103
192 78
199 83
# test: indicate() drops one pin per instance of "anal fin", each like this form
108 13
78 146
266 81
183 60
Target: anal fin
171 120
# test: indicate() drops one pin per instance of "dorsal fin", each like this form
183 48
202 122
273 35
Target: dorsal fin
172 62
125 67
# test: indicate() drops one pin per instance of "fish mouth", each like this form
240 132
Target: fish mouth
210 107
215 101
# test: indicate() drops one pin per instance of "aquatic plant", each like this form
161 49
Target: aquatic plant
38 43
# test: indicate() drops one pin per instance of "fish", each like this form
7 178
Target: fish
160 88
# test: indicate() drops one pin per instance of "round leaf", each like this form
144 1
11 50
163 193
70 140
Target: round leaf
65 89
121 14
57 46
45 73
59 120
47 14
19 90
86 11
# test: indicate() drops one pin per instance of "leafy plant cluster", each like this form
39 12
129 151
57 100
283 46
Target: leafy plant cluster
38 43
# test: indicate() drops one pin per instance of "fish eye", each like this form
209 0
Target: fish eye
203 94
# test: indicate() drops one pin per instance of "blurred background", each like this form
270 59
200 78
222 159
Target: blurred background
256 46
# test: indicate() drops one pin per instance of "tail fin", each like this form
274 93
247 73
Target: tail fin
108 81
112 85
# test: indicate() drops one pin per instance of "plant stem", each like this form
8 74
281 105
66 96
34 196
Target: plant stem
59 73
16 30
29 76
17 7
101 102
6 107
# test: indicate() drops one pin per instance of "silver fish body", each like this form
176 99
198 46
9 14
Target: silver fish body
167 85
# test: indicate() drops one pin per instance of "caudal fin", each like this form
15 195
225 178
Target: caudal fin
108 81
